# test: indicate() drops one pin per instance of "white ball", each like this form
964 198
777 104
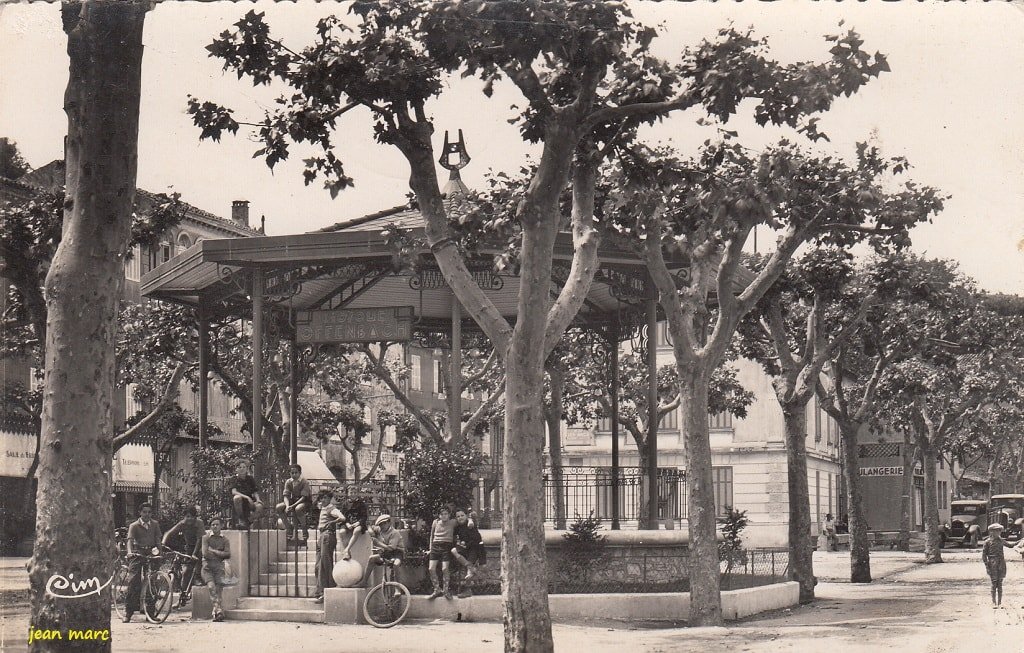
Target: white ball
347 572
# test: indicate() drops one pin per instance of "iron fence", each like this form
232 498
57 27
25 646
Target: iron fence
593 491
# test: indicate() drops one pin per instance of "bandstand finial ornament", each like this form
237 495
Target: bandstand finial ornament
455 184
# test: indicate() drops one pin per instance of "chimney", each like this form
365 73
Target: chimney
240 212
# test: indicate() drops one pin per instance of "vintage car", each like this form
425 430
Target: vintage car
1008 510
968 522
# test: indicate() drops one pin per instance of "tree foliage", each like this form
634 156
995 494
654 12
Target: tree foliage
587 81
436 475
12 165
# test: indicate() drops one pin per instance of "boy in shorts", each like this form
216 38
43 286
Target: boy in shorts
216 550
442 539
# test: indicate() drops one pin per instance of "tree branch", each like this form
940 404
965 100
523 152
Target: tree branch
639 110
482 410
684 340
586 240
382 373
376 460
413 139
166 401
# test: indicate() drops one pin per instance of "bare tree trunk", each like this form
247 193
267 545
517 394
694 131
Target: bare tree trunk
643 508
553 416
83 286
705 583
907 498
29 493
860 549
523 556
524 587
932 534
801 551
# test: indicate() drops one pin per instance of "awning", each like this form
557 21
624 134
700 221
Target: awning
132 466
18 450
133 469
313 467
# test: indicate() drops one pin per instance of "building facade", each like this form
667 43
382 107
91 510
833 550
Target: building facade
133 466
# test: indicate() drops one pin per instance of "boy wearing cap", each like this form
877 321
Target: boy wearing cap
995 563
388 545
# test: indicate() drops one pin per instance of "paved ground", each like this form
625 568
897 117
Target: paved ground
910 607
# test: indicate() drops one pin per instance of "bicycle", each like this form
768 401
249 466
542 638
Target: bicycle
156 591
119 579
388 602
179 578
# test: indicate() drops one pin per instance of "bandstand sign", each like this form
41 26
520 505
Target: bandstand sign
354 325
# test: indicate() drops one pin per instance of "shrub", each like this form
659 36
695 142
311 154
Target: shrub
730 549
437 475
582 547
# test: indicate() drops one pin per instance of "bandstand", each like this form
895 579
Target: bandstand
310 288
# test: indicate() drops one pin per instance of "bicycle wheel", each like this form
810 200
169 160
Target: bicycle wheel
119 590
386 604
156 597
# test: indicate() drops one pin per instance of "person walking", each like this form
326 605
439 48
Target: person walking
995 562
828 529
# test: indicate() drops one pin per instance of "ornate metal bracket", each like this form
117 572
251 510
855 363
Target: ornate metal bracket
430 278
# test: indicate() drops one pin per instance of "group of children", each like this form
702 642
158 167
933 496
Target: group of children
452 538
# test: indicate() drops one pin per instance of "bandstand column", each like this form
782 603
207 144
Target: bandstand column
293 401
204 371
613 342
257 363
455 391
652 411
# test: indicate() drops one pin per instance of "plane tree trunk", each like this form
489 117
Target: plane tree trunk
74 521
860 549
801 552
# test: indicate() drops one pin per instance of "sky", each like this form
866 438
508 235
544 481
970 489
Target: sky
953 105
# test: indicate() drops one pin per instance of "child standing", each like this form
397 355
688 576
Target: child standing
216 549
995 562
442 538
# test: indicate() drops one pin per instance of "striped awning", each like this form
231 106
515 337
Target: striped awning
133 469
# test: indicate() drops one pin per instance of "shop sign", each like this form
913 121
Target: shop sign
881 471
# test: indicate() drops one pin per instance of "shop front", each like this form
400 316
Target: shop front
132 474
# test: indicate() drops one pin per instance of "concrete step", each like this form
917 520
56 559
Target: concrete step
288 578
258 608
305 616
301 555
291 567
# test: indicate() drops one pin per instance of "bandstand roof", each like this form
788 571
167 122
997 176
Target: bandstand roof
349 265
